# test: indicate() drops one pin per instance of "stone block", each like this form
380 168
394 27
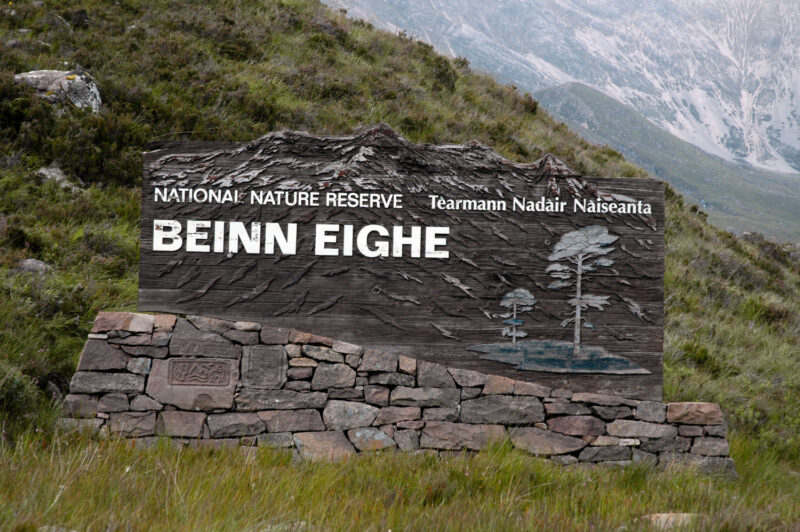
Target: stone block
212 325
97 355
178 424
425 397
328 445
297 337
164 322
602 399
347 394
414 424
370 439
441 414
605 454
193 383
343 415
690 431
333 376
79 405
453 436
470 393
323 354
577 425
307 420
293 350
234 424
302 362
274 335
642 457
123 321
113 402
150 351
507 410
611 413
660 445
144 403
253 399
561 393
247 326
374 360
694 413
190 342
132 424
264 366
569 409
376 395
708 464
393 414
563 459
131 339
407 365
347 349
605 441
140 365
711 447
391 379
299 373
497 385
719 431
625 428
92 382
467 378
530 388
544 442
433 376
242 337
298 386
407 440
353 361
651 411
277 440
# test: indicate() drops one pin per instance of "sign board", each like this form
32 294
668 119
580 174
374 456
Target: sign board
450 254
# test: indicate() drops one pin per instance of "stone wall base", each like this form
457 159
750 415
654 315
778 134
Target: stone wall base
208 382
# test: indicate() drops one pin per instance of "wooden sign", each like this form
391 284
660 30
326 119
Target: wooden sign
450 254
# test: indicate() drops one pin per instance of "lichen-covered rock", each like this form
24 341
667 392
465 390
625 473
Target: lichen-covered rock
433 376
323 354
651 411
329 445
234 424
393 414
467 378
502 409
391 379
343 415
97 355
333 376
94 382
407 440
626 428
370 439
59 86
454 436
132 424
577 425
694 413
374 360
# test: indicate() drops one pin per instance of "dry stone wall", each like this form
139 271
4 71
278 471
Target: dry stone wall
209 382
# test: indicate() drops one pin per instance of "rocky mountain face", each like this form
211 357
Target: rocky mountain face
723 75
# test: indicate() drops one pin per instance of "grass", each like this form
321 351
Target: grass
236 70
109 485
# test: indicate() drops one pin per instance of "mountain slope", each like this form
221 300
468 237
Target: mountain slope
235 71
721 74
736 197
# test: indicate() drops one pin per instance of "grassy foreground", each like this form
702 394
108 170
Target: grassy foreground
99 485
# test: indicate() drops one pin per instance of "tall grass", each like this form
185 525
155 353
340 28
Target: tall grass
110 485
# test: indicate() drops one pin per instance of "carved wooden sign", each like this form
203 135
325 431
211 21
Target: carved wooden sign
450 254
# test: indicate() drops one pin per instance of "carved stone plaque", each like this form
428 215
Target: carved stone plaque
199 373
194 383
264 366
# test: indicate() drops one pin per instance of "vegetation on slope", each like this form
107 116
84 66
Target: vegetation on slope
235 70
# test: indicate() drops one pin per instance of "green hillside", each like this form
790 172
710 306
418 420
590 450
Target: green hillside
235 70
735 196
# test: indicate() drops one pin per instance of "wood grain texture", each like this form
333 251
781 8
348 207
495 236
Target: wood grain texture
432 309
